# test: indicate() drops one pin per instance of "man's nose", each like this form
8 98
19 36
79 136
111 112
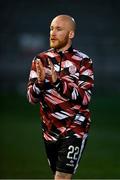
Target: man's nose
53 32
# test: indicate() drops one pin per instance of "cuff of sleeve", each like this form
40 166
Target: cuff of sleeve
36 89
33 92
40 85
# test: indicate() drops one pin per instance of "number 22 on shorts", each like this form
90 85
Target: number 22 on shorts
73 152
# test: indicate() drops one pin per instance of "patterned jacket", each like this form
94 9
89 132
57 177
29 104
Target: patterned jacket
63 104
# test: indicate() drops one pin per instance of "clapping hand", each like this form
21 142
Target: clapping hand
53 73
40 71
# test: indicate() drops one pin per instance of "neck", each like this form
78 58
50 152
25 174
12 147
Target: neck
64 48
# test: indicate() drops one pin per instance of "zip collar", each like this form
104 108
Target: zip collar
70 49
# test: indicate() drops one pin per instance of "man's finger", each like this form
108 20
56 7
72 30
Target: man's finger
51 65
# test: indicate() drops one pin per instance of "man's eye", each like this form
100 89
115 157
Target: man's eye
59 29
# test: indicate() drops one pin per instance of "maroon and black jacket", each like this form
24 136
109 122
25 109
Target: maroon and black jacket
63 104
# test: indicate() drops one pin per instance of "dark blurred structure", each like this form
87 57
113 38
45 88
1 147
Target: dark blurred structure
24 31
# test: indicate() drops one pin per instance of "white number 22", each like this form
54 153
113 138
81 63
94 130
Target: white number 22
73 152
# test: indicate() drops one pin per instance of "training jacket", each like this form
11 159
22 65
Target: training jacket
63 104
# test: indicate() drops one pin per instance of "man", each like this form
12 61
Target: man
61 80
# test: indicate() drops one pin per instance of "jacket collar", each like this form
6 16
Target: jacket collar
70 49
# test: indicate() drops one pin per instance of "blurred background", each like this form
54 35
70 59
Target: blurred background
24 32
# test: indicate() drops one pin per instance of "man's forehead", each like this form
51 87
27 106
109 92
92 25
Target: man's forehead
58 22
64 20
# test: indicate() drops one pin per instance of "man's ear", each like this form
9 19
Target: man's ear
71 34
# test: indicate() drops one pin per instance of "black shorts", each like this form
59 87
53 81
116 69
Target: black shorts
64 155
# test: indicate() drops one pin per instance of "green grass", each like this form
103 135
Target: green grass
22 152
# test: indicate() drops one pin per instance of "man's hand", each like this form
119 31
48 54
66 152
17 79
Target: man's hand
40 71
53 73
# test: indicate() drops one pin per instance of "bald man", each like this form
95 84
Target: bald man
61 81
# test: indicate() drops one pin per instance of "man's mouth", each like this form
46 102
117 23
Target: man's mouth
53 39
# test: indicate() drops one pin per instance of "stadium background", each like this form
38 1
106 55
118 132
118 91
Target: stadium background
24 32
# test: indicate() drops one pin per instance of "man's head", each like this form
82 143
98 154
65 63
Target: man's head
62 31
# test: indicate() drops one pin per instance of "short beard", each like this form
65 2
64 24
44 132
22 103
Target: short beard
60 44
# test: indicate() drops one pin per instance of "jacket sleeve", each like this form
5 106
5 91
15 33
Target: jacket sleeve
78 87
34 89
